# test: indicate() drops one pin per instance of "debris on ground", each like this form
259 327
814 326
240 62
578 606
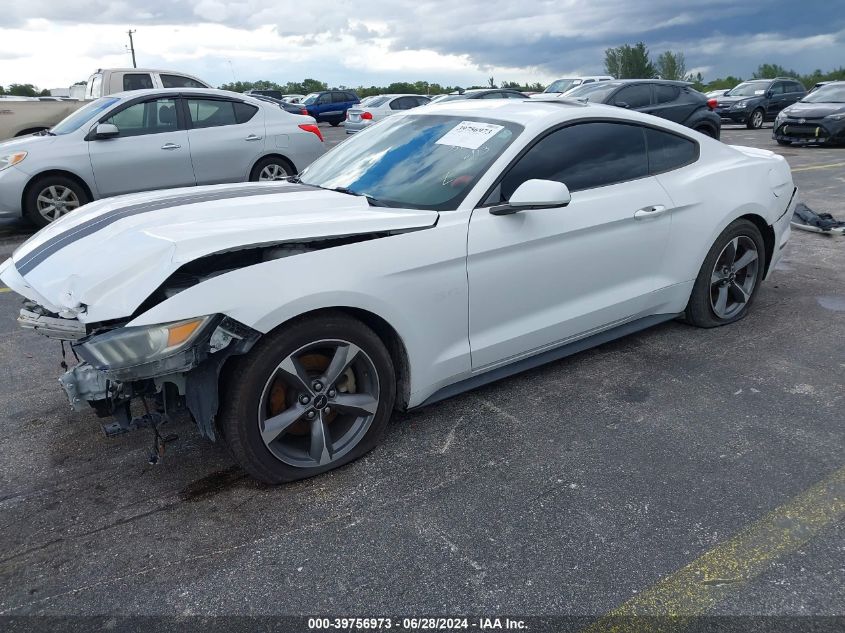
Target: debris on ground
806 219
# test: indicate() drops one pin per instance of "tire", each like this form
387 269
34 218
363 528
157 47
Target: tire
780 142
256 389
39 194
755 119
703 309
271 168
707 130
334 123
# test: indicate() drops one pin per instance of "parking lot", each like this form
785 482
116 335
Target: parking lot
679 470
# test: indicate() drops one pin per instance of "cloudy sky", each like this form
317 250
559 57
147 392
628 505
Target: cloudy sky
53 43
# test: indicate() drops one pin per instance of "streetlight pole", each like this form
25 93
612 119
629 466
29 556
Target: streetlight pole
132 47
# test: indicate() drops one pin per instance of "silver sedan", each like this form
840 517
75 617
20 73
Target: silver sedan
376 108
152 139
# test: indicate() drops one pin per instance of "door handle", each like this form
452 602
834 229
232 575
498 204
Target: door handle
650 212
170 146
252 137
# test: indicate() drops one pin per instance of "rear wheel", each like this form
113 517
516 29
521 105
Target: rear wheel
706 129
271 168
50 197
334 123
729 277
755 121
782 142
308 398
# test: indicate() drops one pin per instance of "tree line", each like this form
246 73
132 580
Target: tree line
635 62
623 62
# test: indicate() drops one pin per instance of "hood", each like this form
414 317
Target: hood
730 99
103 260
25 142
814 110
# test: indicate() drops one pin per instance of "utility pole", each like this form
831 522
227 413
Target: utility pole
132 47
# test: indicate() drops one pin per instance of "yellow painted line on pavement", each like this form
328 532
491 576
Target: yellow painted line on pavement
5 289
819 167
672 602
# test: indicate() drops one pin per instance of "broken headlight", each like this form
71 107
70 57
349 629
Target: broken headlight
143 351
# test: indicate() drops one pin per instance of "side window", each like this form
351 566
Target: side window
147 117
324 98
589 81
583 156
244 111
513 95
636 96
403 103
339 97
666 94
668 151
795 87
778 88
137 81
351 96
211 112
421 101
177 81
492 95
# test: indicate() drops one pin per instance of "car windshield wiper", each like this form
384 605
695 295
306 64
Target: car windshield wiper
373 201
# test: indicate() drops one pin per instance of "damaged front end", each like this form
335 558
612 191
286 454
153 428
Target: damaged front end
175 365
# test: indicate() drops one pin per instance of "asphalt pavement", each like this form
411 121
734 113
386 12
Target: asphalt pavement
678 471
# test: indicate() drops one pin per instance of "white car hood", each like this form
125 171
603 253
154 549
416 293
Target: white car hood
103 260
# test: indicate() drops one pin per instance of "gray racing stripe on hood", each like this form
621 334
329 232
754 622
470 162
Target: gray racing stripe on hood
48 248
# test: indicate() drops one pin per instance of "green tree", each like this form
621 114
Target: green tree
491 82
722 84
672 66
770 71
313 85
629 62
22 90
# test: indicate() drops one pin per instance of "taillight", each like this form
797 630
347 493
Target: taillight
712 103
367 115
310 127
304 111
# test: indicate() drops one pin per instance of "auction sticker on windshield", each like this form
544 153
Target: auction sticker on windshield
470 134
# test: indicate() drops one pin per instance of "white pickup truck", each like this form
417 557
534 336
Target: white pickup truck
19 118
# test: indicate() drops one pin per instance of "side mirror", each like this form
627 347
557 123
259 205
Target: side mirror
106 130
535 194
622 104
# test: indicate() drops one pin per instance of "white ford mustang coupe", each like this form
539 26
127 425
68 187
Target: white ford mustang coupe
436 251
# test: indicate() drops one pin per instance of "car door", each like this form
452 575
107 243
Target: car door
670 104
794 93
226 138
777 100
541 277
634 97
151 151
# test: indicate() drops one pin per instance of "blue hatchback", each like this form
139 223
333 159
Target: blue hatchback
329 105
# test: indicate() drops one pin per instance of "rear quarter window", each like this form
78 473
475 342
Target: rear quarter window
668 151
178 81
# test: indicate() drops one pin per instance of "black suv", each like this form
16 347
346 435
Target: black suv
758 100
329 105
673 100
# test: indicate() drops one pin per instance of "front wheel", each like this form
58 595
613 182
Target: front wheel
51 197
334 123
312 396
729 277
755 121
781 142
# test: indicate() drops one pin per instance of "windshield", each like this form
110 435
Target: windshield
416 162
374 102
831 93
562 85
597 93
748 89
79 118
311 98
